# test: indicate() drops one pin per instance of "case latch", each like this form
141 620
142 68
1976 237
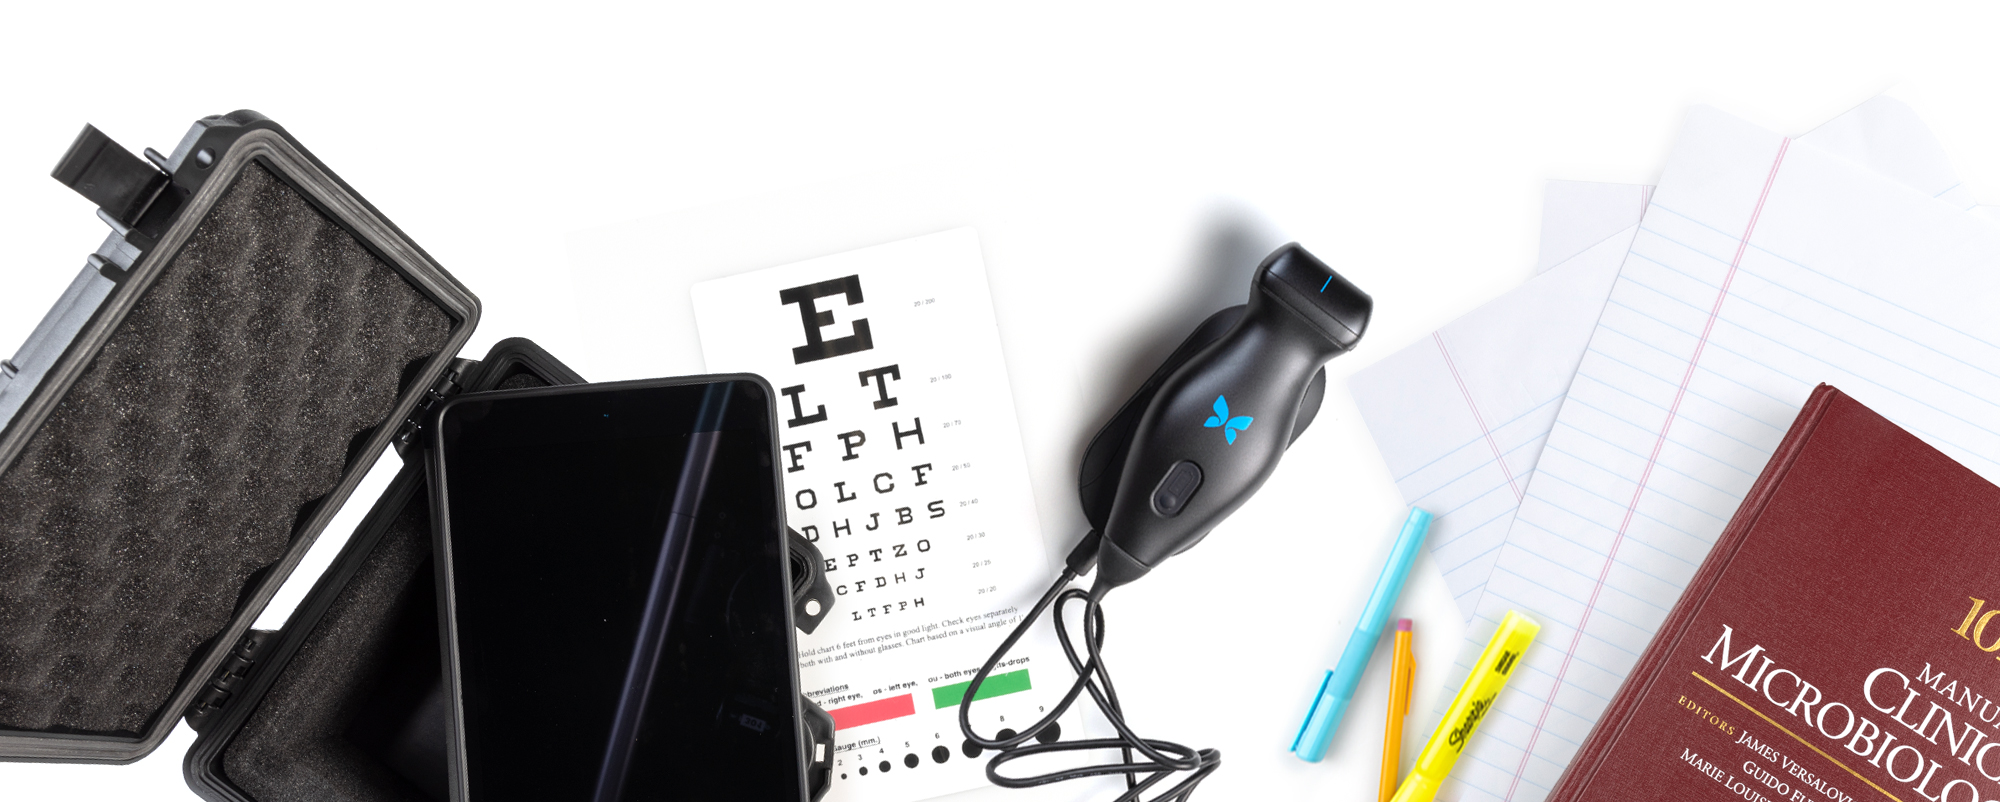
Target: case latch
121 184
812 593
228 678
447 385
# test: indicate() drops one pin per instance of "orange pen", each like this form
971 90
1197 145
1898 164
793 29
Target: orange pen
1402 673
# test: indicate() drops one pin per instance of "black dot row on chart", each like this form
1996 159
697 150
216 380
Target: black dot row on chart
972 750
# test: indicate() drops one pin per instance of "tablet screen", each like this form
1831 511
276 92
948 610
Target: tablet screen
620 602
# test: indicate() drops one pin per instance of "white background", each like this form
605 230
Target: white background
1126 165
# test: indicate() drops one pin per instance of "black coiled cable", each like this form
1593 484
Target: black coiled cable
1163 760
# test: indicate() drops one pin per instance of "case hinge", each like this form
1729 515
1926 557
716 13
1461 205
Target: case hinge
409 435
228 678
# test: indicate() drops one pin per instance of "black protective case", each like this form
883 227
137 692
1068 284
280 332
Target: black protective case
154 207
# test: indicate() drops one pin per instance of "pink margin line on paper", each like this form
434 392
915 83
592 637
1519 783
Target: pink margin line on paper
1438 337
1659 443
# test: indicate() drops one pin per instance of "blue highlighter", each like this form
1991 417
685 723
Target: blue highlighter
1338 688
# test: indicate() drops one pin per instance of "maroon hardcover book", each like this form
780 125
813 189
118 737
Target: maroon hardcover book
1841 642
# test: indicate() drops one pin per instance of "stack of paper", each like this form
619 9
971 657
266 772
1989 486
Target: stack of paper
1584 438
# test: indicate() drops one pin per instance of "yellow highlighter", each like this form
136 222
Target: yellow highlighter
1489 675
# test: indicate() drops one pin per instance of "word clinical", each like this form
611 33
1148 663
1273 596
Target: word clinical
1918 727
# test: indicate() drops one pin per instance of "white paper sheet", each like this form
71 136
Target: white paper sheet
1461 417
1578 215
1884 134
1763 266
903 463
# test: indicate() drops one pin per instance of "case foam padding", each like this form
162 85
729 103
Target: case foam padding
298 745
294 746
179 463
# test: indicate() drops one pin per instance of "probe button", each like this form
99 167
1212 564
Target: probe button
1176 488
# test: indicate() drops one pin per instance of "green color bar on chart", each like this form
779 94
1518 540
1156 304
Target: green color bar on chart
997 685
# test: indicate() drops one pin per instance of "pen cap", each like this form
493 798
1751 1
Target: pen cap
1389 585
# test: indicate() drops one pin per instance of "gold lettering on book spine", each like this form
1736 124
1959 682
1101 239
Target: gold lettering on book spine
1976 624
1969 615
1979 632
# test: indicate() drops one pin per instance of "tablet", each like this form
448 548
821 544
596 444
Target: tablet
614 581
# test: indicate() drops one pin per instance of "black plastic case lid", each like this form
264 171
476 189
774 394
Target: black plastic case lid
153 209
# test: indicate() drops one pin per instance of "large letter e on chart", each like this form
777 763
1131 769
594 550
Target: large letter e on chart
816 347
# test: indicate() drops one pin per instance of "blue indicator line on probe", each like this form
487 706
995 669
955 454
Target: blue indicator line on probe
1329 281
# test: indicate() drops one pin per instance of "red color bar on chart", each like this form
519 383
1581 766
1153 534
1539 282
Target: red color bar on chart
871 712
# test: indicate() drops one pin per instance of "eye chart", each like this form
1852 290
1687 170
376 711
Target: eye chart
903 464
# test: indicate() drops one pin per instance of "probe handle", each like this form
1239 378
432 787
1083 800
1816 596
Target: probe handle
1217 427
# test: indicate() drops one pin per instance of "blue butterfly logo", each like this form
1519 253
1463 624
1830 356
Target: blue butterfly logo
1230 426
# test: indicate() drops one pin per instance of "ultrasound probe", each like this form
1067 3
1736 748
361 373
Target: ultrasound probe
1197 439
